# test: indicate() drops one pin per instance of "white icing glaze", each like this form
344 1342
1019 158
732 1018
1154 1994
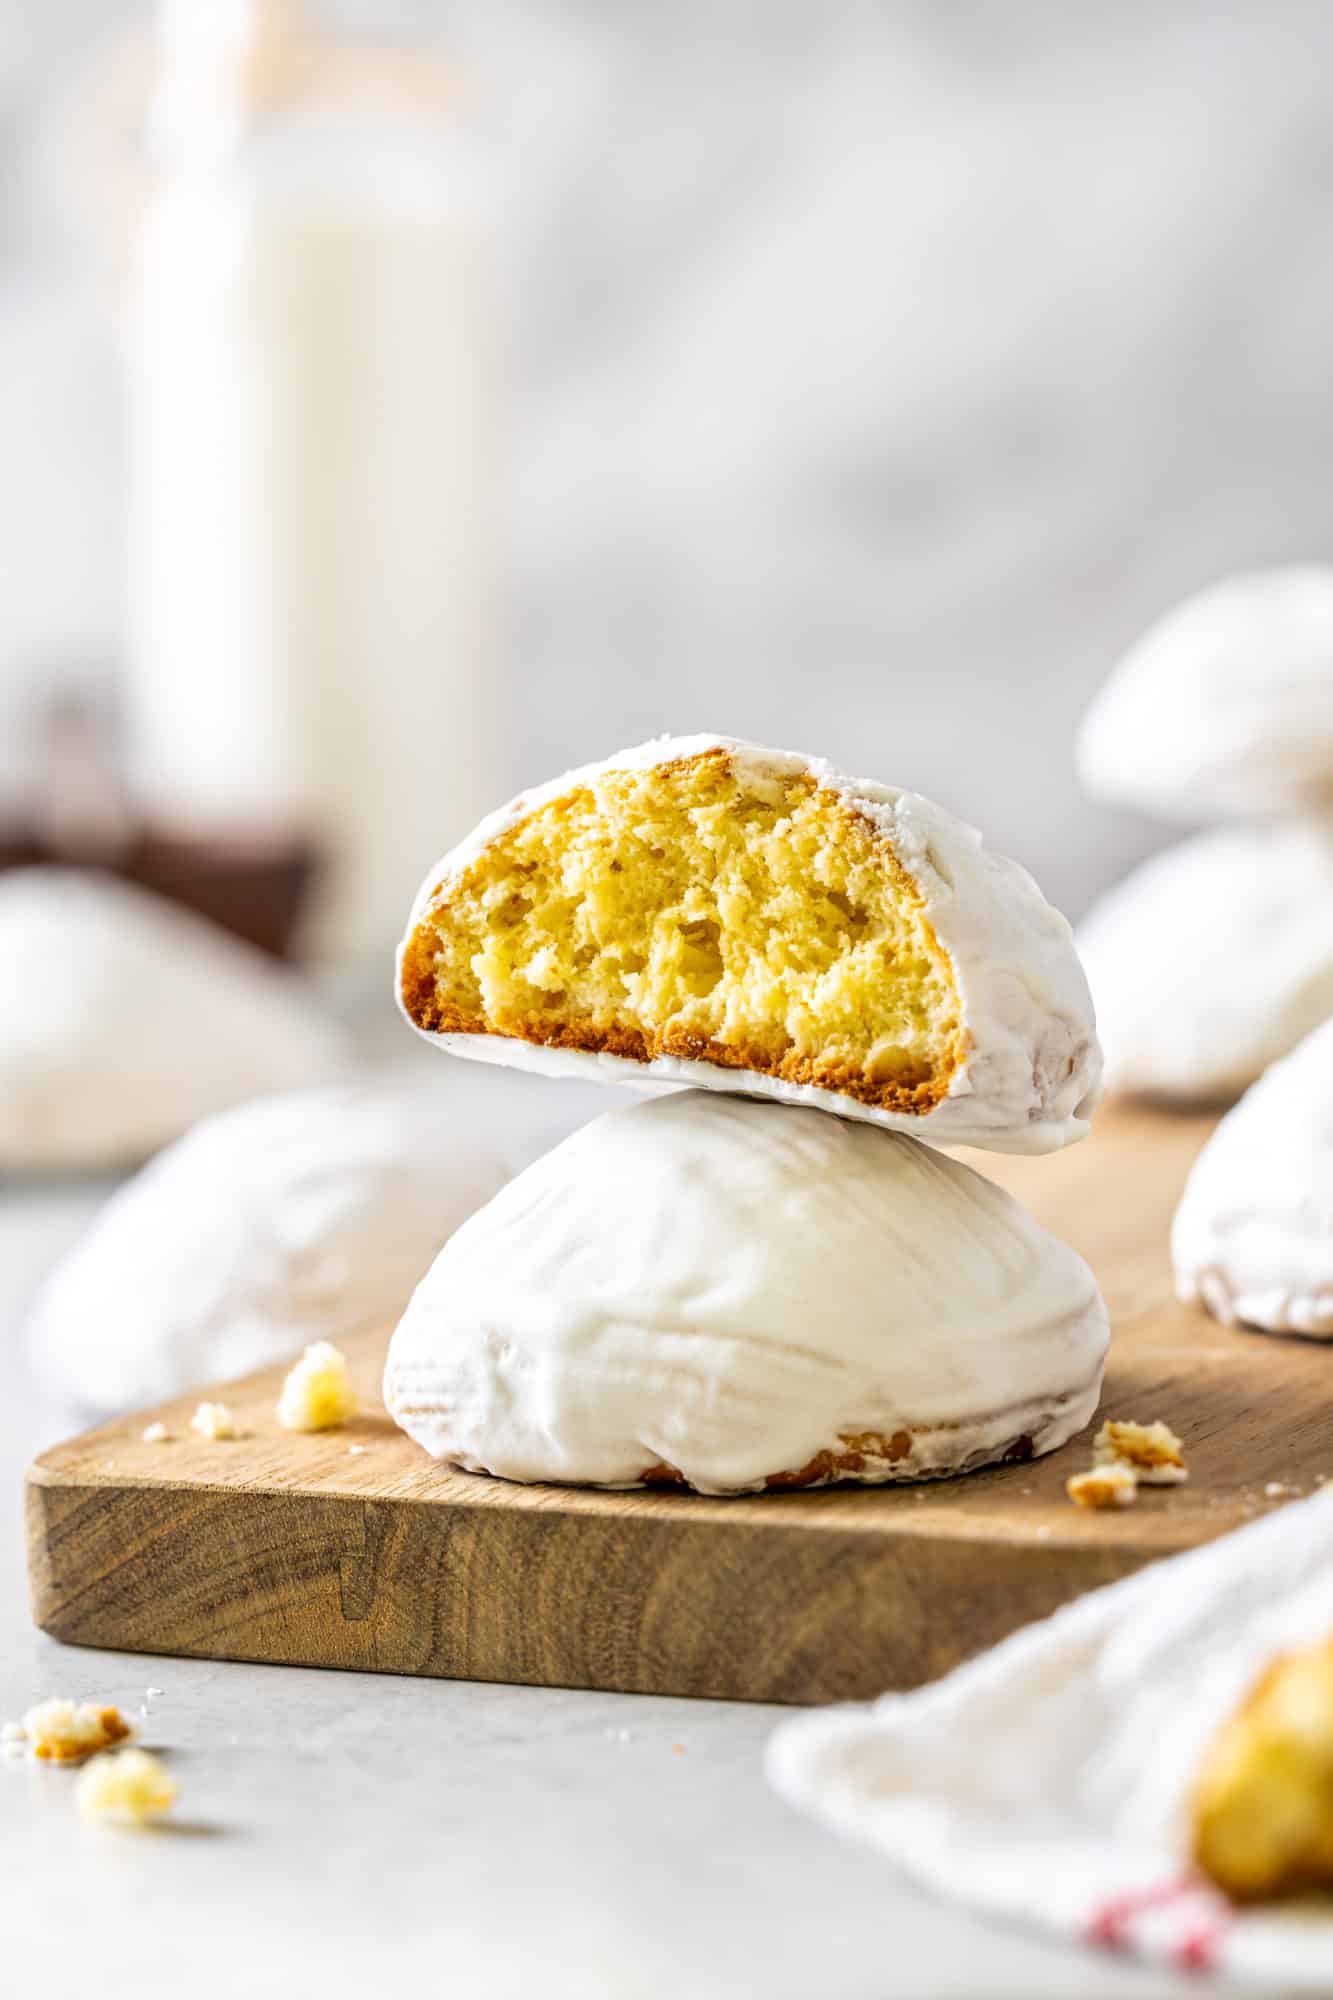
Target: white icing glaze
1253 1235
724 1287
1214 959
297 1218
1031 1081
1226 706
124 1018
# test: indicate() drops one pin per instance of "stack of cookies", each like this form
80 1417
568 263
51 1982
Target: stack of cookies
1215 958
768 1276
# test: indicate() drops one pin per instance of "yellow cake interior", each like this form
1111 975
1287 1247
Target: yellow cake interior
704 909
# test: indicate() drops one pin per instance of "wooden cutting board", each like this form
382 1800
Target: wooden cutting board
352 1549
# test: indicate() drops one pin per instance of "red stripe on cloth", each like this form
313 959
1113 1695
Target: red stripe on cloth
1198 1950
1109 1924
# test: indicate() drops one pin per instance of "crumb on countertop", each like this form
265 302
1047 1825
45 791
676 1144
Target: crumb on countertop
1153 1450
65 1732
213 1420
317 1395
131 1787
1104 1486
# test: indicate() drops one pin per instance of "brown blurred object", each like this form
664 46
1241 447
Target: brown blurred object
1263 1805
256 885
256 890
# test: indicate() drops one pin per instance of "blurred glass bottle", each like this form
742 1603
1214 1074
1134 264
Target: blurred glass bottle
312 457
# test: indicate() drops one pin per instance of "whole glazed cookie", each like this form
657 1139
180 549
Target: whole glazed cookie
304 1217
124 1018
1253 1235
1213 959
704 911
703 1291
1225 707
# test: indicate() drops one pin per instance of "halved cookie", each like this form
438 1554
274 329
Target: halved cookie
703 911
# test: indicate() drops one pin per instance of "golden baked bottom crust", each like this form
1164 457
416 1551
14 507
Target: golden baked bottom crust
914 1097
860 1450
908 1453
839 982
1262 1809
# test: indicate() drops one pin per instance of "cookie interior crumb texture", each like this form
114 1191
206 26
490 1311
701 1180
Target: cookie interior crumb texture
155 1434
747 919
131 1787
1263 1802
316 1395
65 1732
213 1420
1153 1450
1103 1486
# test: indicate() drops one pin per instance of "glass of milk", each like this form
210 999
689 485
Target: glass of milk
312 453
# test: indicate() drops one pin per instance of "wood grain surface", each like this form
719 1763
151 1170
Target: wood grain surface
296 1549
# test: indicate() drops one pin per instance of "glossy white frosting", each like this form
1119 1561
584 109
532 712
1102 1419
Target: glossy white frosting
1253 1235
1226 706
1214 958
726 1287
298 1218
124 1018
1031 1081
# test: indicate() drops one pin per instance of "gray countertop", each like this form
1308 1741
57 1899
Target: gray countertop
343 1834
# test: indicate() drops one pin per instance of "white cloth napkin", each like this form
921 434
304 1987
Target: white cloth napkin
1047 1781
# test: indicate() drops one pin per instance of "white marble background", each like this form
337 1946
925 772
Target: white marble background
876 370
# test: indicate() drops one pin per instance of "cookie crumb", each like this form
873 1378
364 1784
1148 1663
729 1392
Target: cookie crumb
317 1395
355 1450
131 1787
1153 1450
213 1420
1277 1489
154 1434
1101 1486
65 1732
